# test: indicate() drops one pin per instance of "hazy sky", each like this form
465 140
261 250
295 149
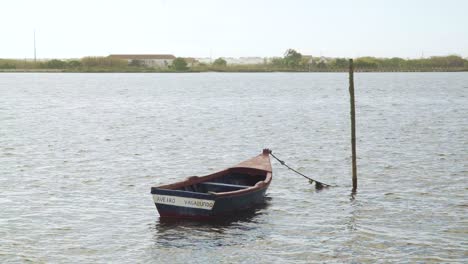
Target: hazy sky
198 28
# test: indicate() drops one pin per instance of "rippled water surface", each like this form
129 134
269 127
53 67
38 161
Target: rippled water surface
79 153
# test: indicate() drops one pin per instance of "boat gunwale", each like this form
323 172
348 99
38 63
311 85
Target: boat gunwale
246 167
196 180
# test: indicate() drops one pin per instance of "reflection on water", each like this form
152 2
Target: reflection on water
173 232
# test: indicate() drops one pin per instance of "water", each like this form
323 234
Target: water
79 153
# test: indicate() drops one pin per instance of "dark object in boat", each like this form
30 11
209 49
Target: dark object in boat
222 193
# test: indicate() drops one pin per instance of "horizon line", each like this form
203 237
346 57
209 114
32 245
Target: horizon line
235 57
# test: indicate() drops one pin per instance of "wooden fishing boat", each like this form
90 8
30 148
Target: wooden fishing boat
229 191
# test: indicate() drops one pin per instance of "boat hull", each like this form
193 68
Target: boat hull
204 206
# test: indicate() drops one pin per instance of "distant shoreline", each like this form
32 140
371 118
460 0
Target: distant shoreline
292 61
223 71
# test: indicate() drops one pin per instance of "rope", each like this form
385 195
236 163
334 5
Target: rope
318 185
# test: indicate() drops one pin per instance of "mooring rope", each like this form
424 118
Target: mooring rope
318 185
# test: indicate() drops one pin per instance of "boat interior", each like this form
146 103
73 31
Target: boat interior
231 181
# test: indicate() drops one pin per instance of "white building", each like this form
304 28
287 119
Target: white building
249 60
150 60
235 61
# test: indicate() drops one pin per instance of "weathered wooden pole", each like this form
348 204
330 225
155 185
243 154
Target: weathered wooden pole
353 123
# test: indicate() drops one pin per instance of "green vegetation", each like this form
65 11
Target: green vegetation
292 61
220 62
179 64
86 64
103 63
441 63
295 61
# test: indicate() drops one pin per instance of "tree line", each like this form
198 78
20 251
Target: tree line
292 60
295 60
73 64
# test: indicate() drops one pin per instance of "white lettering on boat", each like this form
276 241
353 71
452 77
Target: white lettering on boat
183 201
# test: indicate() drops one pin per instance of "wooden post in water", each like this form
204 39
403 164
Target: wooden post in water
353 123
